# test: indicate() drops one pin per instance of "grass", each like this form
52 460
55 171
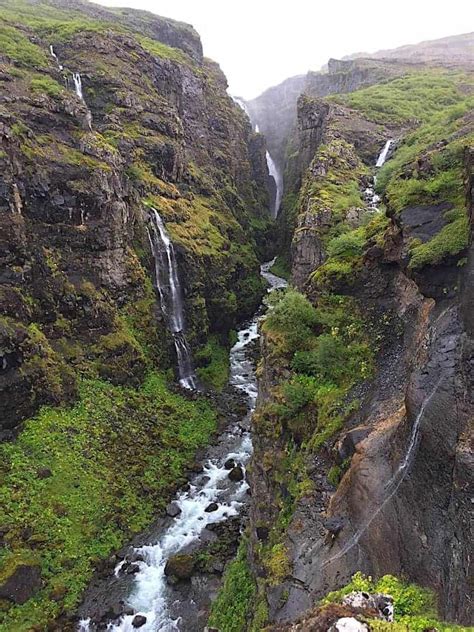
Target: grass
46 85
231 610
16 46
409 99
115 457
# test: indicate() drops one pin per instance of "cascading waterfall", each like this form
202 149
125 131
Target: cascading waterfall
171 296
151 597
384 153
55 57
76 77
370 196
272 168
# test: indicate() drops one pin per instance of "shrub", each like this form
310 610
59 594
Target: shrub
293 317
347 245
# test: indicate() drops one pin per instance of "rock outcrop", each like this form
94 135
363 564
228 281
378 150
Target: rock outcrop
74 249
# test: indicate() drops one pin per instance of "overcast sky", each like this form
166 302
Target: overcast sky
258 43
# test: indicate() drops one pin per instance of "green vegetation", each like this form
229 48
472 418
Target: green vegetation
414 606
281 268
409 99
213 364
114 459
424 171
451 240
15 45
46 85
158 49
231 609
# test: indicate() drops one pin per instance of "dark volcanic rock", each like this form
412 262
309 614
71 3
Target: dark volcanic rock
22 584
138 621
173 510
211 507
236 474
180 566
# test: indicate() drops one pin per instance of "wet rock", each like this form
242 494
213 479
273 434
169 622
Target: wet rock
180 566
21 584
173 510
138 621
236 474
211 507
229 464
132 569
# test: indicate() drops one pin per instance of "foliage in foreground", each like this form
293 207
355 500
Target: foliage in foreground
114 458
415 607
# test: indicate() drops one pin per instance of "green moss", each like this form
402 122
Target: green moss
46 85
277 564
15 45
450 241
231 609
115 457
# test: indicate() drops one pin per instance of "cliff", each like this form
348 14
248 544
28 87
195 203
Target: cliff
362 425
104 114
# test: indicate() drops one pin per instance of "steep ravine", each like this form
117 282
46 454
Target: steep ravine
162 583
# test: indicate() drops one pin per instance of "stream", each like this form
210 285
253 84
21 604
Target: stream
152 601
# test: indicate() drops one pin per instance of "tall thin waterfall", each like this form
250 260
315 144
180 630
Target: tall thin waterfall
171 296
276 175
384 153
272 168
76 77
55 57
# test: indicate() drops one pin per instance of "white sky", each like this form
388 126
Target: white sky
258 43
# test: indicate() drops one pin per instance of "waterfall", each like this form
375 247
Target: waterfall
171 296
272 168
370 196
152 596
54 56
392 485
276 175
76 77
383 154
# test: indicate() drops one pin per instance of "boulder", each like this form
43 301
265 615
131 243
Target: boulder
211 507
173 510
229 464
21 584
138 621
180 566
236 474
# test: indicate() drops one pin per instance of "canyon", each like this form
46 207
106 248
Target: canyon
236 337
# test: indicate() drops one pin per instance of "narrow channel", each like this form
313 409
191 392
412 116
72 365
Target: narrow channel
152 607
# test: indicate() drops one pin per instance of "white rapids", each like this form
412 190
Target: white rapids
150 596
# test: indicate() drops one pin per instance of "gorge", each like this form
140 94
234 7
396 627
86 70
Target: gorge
236 336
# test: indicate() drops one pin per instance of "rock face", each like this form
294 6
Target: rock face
399 502
21 584
74 249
